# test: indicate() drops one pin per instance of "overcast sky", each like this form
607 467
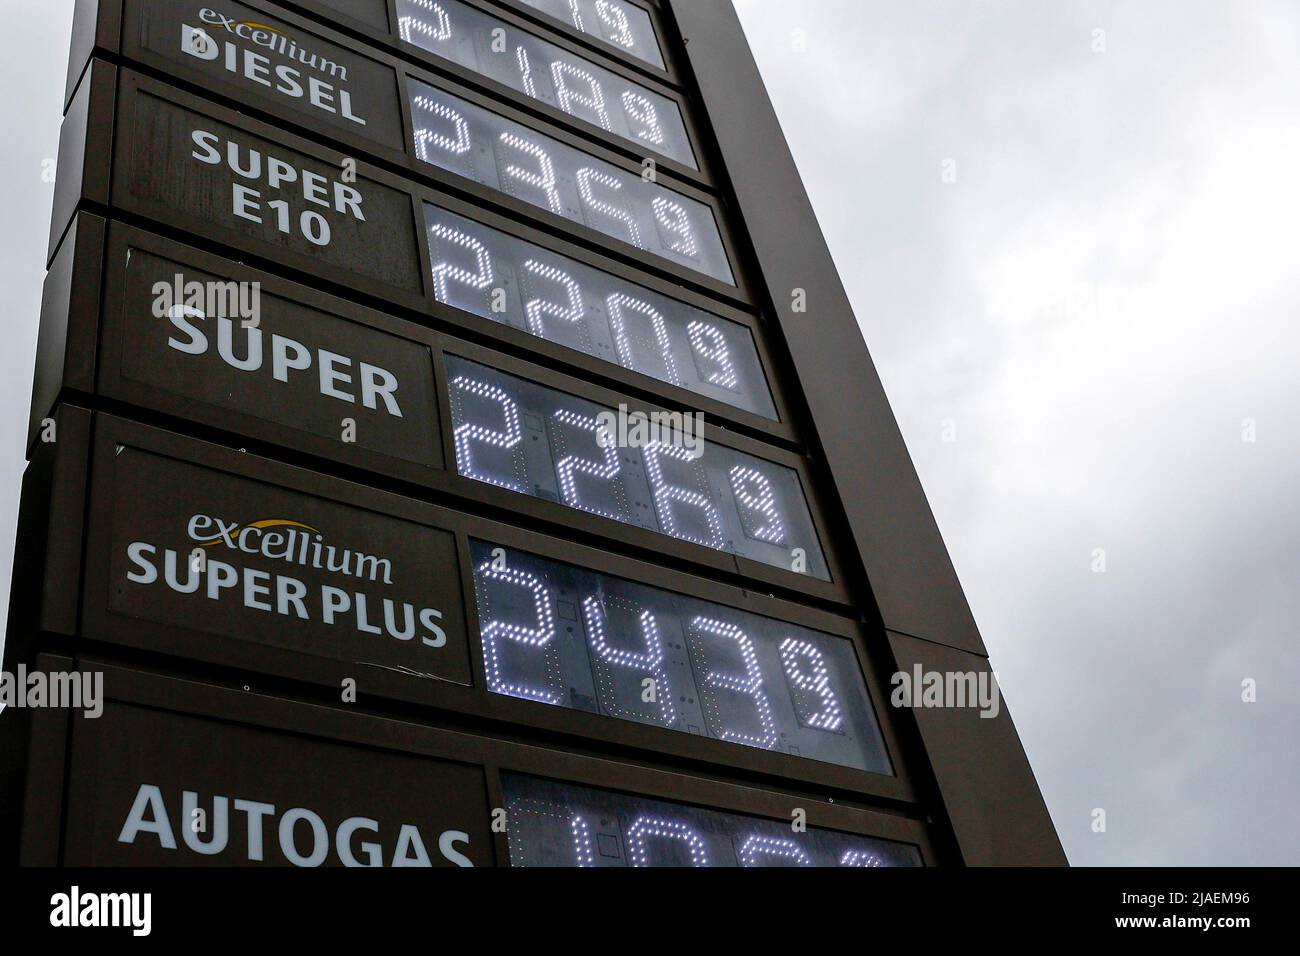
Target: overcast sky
1068 231
1097 303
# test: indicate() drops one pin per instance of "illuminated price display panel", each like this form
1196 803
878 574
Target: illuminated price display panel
546 72
485 147
497 276
558 824
652 473
569 637
624 26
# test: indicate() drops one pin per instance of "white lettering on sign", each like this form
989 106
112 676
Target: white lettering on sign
302 834
292 542
334 376
261 69
250 164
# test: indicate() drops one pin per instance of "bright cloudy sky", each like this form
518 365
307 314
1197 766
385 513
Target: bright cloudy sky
1094 307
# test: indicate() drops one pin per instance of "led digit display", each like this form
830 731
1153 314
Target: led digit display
582 640
623 26
517 283
559 824
473 142
546 72
654 473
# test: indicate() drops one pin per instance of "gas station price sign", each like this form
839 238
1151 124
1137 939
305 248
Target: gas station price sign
526 246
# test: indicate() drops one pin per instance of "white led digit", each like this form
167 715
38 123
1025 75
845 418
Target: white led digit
750 683
570 465
538 636
620 31
543 178
577 15
467 433
618 305
668 496
649 661
642 112
754 491
593 99
646 828
538 309
424 135
859 858
675 226
585 177
756 847
582 842
445 272
525 71
407 27
708 342
805 668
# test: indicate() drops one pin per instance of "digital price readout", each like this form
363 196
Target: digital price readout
624 26
496 276
650 473
558 824
485 147
546 72
493 151
574 638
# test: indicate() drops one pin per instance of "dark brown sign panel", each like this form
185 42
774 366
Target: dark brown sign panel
172 789
318 359
201 549
199 560
189 325
187 166
257 55
132 316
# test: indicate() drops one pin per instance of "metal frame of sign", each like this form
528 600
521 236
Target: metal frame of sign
55 734
79 468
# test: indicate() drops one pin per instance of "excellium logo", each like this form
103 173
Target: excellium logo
285 78
75 908
283 539
263 35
